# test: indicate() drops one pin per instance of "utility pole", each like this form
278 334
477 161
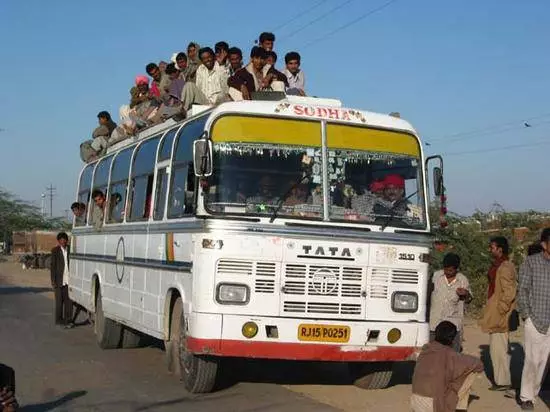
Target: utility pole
50 190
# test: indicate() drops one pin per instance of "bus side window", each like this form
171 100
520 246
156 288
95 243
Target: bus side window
118 186
84 192
101 179
162 189
143 170
179 193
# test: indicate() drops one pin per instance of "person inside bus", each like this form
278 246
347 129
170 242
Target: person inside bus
265 194
98 210
79 211
298 195
255 76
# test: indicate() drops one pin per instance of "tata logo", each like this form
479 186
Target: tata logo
324 281
326 251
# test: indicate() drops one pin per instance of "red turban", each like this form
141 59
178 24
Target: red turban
142 80
376 186
395 180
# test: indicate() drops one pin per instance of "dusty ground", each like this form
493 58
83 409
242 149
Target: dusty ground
330 384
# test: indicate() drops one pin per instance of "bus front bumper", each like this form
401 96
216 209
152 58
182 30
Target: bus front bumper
278 338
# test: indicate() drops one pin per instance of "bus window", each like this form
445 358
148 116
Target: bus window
84 187
118 186
101 178
143 170
182 187
160 199
165 149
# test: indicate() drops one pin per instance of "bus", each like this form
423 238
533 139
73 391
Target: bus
294 229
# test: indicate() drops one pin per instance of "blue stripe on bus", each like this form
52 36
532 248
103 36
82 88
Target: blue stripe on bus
134 261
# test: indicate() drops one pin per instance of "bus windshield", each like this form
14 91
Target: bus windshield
365 186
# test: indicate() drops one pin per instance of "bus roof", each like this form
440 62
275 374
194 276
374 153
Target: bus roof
295 107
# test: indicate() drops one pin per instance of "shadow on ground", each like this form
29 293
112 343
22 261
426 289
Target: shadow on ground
16 290
52 405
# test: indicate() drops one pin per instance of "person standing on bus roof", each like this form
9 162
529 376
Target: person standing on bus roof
267 41
295 76
501 300
59 271
98 211
211 77
450 290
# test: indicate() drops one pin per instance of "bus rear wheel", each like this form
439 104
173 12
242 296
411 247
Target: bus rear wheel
198 373
375 375
108 332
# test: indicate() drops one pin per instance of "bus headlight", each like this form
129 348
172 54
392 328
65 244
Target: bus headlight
404 302
232 294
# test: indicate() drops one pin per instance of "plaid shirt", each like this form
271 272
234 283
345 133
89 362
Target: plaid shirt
534 291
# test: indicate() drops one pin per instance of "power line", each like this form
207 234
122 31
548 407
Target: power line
350 23
495 149
321 17
487 128
297 16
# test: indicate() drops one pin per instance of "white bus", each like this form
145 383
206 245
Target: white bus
293 229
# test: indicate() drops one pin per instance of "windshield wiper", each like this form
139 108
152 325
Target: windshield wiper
285 196
394 209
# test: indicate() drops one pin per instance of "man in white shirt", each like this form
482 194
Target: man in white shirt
451 290
212 78
59 271
295 76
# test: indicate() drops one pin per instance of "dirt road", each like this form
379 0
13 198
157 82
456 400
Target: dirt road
328 383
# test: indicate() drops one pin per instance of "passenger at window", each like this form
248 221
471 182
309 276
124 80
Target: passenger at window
235 60
255 76
161 82
222 53
211 77
193 62
265 194
298 195
79 211
98 210
267 41
295 76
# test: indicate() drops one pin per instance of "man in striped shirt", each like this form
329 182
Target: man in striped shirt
534 307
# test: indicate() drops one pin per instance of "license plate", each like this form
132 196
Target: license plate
324 333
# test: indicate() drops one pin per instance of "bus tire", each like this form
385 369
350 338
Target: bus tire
198 373
375 375
130 338
107 331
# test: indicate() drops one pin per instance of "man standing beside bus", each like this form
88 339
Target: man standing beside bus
59 271
501 300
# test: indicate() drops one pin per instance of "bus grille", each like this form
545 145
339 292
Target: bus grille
323 290
262 272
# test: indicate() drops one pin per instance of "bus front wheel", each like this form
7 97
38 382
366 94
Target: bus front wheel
107 331
198 373
375 375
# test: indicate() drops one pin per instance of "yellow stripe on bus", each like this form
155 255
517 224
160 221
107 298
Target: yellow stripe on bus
363 138
248 129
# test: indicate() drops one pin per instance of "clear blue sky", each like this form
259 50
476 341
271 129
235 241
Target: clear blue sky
448 67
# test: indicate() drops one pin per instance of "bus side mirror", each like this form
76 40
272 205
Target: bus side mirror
438 181
202 157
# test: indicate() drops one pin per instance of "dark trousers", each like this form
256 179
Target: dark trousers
63 305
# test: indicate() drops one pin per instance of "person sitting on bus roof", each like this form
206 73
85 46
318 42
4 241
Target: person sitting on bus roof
98 210
180 60
267 41
100 136
271 58
162 65
221 49
161 81
211 77
235 60
255 76
185 94
295 76
140 92
193 62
